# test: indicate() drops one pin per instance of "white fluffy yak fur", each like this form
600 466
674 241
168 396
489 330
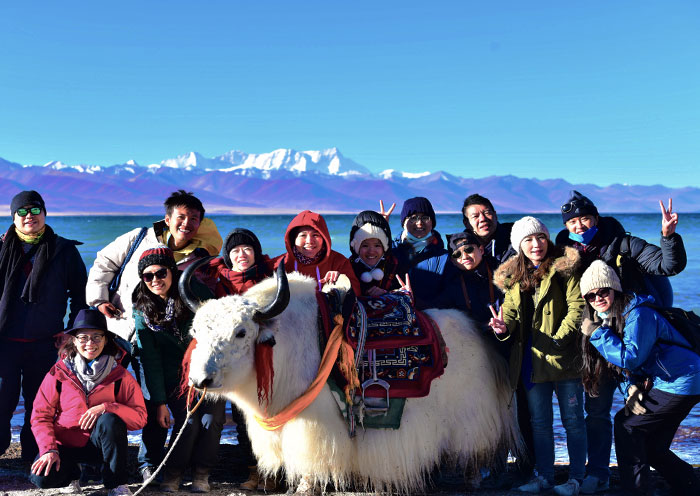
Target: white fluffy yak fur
466 417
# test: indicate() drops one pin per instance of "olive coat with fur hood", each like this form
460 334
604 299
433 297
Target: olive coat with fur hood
554 324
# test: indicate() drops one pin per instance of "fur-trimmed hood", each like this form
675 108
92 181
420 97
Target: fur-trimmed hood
566 265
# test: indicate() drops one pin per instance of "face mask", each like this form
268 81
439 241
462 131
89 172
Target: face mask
586 237
603 315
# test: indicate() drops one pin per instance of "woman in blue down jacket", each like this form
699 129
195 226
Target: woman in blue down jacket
637 339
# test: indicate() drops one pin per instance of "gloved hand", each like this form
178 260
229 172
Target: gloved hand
589 325
634 402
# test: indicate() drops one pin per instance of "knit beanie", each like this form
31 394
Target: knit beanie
369 224
240 236
461 239
160 255
24 198
576 206
599 275
417 205
525 227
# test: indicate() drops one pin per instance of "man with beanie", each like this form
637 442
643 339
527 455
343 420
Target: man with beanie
480 218
420 249
39 272
643 269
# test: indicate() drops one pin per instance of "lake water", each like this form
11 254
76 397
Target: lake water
97 231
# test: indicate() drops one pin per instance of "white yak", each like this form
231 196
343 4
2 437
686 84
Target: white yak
467 416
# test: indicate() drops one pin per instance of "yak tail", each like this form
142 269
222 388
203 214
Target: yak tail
185 369
265 372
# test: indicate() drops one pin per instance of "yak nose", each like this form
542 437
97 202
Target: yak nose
201 384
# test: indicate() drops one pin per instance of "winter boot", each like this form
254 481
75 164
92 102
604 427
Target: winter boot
253 479
171 481
200 480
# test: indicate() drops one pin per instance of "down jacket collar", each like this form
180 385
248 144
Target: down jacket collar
565 265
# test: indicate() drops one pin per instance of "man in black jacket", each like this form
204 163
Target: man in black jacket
39 272
479 217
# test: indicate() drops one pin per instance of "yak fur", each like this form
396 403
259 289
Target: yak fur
466 418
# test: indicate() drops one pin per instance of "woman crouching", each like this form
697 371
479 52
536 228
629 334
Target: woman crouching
84 408
636 339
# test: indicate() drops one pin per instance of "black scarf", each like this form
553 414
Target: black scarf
12 262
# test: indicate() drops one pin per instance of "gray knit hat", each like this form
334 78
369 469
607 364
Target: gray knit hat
525 227
599 275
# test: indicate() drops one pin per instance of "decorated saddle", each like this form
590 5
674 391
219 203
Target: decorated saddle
398 351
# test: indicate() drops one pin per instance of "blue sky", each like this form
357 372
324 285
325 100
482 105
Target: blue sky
597 92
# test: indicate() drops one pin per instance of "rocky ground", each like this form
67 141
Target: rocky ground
228 474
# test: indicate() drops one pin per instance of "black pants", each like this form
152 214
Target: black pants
22 367
199 443
245 448
526 462
642 441
108 444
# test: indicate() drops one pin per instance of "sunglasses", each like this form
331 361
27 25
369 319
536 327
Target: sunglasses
461 252
158 274
601 293
22 212
568 207
84 338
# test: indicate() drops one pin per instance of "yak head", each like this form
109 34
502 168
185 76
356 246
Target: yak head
233 336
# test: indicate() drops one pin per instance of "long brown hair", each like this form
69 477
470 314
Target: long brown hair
525 272
594 365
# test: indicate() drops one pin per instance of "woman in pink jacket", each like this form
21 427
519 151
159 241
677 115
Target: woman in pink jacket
84 408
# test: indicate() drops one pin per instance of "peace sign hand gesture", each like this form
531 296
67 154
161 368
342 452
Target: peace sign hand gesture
669 219
497 323
386 213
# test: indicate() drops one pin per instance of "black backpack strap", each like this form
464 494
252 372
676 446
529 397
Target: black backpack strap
114 285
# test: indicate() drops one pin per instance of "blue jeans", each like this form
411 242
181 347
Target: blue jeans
570 396
22 366
599 428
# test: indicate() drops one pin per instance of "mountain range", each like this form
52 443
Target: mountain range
288 181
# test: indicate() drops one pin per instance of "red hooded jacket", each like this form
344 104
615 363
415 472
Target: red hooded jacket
55 415
332 261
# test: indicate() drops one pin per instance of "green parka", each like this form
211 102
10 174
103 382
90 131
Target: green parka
555 322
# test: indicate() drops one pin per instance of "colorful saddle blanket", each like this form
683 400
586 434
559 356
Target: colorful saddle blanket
409 350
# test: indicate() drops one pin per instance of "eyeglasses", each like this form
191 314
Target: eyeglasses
95 338
158 274
601 293
463 251
574 204
416 218
22 212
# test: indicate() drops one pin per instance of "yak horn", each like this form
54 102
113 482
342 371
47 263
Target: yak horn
281 298
183 285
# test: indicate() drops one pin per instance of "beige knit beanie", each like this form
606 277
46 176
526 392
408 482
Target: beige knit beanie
368 231
599 275
526 227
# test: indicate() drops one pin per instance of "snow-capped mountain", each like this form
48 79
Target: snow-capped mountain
287 180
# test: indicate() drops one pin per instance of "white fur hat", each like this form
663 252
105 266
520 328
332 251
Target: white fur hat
525 227
599 275
368 231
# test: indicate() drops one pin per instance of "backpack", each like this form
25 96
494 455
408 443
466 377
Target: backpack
686 322
635 279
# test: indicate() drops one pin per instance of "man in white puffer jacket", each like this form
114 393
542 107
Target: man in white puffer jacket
184 230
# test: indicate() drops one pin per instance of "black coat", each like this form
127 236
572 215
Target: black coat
65 277
644 258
